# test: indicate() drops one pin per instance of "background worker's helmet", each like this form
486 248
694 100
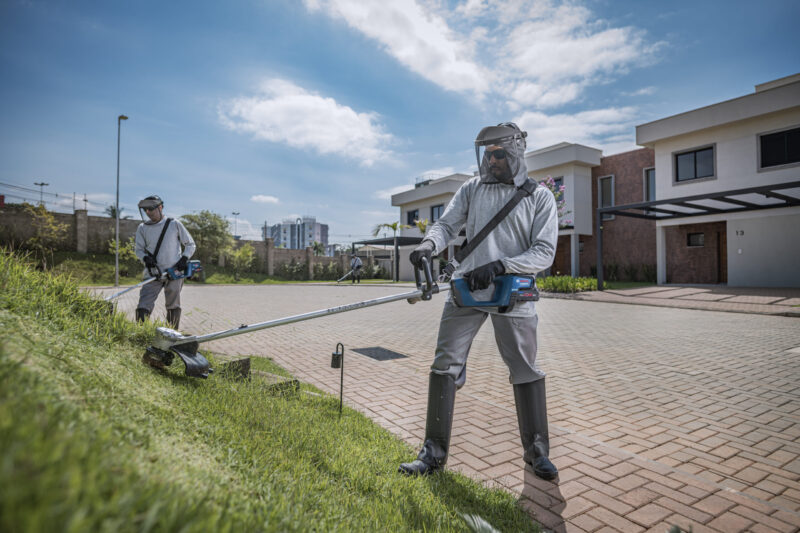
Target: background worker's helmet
511 139
150 202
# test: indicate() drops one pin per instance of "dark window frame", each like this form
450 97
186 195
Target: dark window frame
645 184
600 179
695 150
434 218
759 148
699 243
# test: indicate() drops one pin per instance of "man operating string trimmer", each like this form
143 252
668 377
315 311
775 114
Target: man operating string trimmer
521 240
158 246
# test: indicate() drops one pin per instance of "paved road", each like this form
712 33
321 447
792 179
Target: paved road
658 416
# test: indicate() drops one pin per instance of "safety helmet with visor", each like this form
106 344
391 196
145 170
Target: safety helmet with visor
500 150
148 204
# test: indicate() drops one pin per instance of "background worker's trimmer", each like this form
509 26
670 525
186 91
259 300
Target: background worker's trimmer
192 267
169 342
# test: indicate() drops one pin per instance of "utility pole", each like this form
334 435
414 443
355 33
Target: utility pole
116 208
235 223
41 186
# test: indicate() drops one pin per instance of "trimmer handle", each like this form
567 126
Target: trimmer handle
428 286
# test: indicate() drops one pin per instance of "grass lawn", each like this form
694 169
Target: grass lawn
92 440
627 284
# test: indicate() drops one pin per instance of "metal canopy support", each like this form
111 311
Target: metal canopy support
648 210
599 222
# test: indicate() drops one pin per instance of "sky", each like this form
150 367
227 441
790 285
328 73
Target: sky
278 109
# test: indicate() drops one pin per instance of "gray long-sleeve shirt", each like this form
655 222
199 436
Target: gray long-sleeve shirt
170 251
525 240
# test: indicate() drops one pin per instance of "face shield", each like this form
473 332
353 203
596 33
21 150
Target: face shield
148 205
499 151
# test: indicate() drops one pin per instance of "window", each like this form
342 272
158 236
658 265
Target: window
436 212
695 164
412 216
781 148
649 184
605 194
695 239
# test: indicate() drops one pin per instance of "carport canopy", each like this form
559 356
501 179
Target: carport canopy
734 201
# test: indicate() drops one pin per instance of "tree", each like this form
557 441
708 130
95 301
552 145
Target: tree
422 225
127 255
561 204
211 233
394 226
318 248
47 233
241 259
111 211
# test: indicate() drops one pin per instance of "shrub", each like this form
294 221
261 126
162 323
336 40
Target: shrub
631 272
566 284
649 273
292 271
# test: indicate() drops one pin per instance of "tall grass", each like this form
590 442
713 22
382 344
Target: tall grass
92 440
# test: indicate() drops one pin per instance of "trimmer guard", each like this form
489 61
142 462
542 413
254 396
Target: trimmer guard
508 290
197 366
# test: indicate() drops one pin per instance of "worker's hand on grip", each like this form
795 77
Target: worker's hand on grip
425 249
181 264
482 277
150 261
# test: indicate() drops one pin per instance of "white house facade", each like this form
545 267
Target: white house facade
745 143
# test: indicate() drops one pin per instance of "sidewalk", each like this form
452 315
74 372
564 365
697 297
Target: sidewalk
659 416
764 301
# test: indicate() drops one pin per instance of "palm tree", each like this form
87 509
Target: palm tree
422 225
394 226
318 248
111 211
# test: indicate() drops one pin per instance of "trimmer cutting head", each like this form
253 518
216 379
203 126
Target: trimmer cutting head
168 342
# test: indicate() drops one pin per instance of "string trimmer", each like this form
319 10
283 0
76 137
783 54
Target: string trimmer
192 267
169 342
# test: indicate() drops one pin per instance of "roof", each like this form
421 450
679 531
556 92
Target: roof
389 241
725 202
770 97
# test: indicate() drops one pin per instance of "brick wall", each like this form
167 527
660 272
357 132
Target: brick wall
84 233
627 242
696 264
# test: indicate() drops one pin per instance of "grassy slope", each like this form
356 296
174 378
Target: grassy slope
90 439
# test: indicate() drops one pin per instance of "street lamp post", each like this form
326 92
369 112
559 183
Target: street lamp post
235 223
41 186
116 207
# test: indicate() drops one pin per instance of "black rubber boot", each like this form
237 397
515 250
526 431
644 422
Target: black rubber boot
531 401
142 314
174 317
433 456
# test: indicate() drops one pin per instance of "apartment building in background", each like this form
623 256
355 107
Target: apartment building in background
298 233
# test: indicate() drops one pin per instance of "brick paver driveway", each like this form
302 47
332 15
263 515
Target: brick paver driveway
658 416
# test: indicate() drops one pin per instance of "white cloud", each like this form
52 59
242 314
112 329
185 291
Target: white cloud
610 129
538 53
286 113
386 194
415 36
264 199
644 91
380 214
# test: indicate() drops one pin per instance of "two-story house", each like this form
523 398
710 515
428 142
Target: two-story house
727 190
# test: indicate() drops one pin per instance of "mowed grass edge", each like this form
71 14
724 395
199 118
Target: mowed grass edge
92 440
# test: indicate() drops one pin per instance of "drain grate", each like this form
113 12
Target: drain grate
379 354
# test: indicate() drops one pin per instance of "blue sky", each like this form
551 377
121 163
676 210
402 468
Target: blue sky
277 109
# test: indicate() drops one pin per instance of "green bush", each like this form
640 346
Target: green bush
292 271
566 284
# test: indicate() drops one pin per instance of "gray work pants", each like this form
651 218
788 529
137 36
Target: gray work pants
172 294
515 337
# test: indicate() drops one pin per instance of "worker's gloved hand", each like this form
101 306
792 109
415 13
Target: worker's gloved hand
482 277
150 261
181 264
425 249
